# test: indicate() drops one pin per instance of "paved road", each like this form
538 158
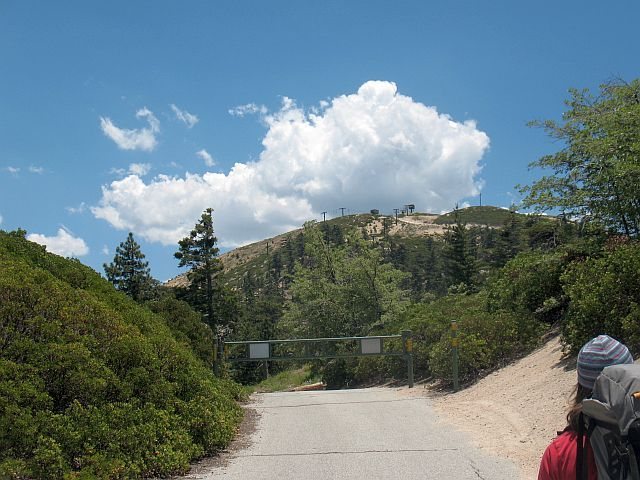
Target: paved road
375 433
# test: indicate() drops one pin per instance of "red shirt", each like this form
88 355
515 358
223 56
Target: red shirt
559 459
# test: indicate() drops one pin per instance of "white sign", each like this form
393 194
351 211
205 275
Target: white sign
371 346
259 350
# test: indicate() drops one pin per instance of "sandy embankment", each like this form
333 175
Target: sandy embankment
516 411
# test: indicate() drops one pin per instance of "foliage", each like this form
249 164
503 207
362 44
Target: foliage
460 255
129 272
186 325
486 339
338 373
93 385
198 251
529 285
342 290
604 294
260 302
597 173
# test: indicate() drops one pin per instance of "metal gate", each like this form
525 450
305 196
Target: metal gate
322 348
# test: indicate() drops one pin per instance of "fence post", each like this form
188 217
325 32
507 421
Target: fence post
454 353
407 348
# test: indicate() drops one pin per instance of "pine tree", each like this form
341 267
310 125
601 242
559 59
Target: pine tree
459 255
509 240
128 272
433 274
199 252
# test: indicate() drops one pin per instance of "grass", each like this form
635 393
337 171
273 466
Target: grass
286 380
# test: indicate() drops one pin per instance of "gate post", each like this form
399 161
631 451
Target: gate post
407 348
454 353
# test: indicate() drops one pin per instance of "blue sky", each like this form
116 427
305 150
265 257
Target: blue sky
136 116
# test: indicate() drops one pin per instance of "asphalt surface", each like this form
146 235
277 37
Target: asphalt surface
375 433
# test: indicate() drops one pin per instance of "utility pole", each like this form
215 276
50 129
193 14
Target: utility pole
324 216
396 210
342 209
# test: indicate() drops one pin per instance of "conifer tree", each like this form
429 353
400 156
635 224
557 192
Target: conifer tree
199 252
459 255
129 272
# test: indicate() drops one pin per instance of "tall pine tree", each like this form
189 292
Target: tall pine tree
199 252
459 254
129 272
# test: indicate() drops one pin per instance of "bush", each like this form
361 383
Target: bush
486 341
529 284
186 325
93 385
604 295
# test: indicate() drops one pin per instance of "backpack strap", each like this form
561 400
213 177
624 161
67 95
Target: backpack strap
581 473
582 452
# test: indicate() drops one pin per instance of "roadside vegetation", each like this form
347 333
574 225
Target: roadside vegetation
287 380
94 385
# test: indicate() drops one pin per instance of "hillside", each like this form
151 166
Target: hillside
95 385
253 257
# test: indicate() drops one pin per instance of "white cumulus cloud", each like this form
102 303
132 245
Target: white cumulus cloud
206 156
135 139
371 149
64 243
0 219
37 170
185 117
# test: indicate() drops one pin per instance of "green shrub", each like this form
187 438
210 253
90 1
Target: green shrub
93 385
486 339
529 284
14 469
604 295
48 461
186 325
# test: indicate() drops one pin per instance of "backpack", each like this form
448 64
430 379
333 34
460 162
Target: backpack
611 421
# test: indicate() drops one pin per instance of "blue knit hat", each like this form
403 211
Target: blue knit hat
598 353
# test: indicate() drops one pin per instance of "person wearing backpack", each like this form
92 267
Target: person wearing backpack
563 457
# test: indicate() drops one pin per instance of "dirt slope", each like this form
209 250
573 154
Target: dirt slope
516 411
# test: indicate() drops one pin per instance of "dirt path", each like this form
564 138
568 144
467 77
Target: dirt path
516 411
